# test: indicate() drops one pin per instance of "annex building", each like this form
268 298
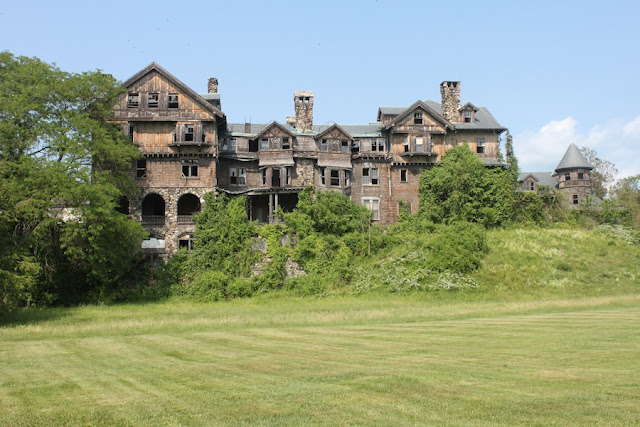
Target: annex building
189 149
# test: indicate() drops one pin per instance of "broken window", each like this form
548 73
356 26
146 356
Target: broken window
344 148
237 176
468 116
380 142
420 144
173 100
264 144
530 186
403 175
141 168
370 176
131 131
374 206
229 144
324 145
133 100
152 100
288 175
480 145
417 118
264 177
322 176
335 178
189 168
580 175
576 199
188 132
567 176
275 177
406 144
285 143
186 242
347 178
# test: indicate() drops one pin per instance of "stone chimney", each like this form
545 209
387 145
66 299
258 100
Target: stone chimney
304 110
213 85
450 93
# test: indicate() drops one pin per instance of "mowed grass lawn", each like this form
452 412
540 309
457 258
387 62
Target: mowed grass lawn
388 360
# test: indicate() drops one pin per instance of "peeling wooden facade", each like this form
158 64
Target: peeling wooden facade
189 149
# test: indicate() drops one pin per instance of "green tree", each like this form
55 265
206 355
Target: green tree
603 174
626 192
461 188
63 168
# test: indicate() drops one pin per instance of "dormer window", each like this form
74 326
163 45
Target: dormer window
468 116
133 100
324 145
344 147
417 118
153 100
264 144
285 143
173 100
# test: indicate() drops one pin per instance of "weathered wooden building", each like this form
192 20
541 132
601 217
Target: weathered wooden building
189 149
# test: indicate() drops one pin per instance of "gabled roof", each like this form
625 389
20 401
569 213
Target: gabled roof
543 178
469 106
419 104
272 125
483 118
573 159
389 111
332 127
174 80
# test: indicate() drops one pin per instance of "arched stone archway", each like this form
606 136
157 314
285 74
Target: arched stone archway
188 204
153 209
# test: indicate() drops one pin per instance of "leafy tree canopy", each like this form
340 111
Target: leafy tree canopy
603 174
461 188
63 168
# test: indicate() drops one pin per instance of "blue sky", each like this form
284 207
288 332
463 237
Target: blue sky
553 72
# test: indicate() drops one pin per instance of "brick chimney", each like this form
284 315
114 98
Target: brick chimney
450 93
213 85
304 109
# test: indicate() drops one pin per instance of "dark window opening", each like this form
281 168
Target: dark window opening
576 199
403 175
275 177
417 118
173 100
264 177
123 205
480 146
189 168
152 100
188 132
237 176
285 143
406 145
335 178
324 145
567 177
580 175
370 176
153 208
253 146
322 176
133 100
141 168
468 116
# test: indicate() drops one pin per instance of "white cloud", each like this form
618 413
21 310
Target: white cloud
616 141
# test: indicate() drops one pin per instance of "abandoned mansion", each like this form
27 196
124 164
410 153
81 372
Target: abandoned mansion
189 149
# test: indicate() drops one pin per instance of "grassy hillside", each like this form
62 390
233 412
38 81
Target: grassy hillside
540 341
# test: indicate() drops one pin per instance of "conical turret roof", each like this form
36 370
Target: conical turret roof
573 159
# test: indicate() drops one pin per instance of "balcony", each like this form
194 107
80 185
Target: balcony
185 219
153 219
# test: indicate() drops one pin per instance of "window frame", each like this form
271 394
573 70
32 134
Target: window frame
141 168
370 176
192 167
481 145
153 100
417 118
334 177
370 203
133 100
404 175
173 103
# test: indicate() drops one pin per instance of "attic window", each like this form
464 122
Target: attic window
173 100
133 100
417 118
285 143
264 144
152 100
324 145
345 146
468 116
